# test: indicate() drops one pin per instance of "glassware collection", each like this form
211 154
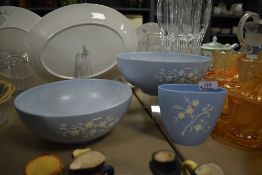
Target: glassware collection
240 73
165 59
181 27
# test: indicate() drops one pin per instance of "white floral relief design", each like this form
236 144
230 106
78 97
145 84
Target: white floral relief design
87 129
3 16
197 121
186 75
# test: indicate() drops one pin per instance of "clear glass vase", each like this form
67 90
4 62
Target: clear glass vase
183 24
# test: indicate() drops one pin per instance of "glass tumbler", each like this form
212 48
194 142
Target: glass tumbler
251 79
6 91
13 67
245 105
226 72
151 42
183 24
225 66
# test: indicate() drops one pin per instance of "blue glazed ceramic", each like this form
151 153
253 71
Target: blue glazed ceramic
188 112
147 70
74 111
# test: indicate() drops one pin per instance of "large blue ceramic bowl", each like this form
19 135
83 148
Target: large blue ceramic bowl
74 111
147 70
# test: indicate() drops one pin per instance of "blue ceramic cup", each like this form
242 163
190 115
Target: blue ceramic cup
189 113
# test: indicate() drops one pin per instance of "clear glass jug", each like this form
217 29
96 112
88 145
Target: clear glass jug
250 33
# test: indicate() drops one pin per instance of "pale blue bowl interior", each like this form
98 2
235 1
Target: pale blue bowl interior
73 97
162 57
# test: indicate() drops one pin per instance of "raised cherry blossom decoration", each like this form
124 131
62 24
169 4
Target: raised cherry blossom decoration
196 119
186 75
91 128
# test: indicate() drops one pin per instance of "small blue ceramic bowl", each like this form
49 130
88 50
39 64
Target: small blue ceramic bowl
147 70
189 113
74 111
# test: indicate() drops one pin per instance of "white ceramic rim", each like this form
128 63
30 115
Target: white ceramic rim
19 18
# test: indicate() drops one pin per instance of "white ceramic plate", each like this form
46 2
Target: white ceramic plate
61 34
148 37
15 23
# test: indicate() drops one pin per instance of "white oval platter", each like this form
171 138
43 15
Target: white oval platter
55 40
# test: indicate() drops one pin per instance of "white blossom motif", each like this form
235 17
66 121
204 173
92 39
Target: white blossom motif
87 129
186 75
196 121
3 16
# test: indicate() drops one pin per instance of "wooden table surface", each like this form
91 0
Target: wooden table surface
128 147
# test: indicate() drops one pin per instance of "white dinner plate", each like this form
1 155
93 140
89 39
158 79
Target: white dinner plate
15 23
56 39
